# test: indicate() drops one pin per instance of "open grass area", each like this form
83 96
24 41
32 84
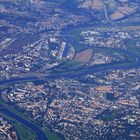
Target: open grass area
135 42
133 45
24 133
84 56
54 3
51 135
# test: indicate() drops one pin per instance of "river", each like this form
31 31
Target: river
68 74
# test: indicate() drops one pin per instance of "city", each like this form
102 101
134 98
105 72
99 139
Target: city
69 70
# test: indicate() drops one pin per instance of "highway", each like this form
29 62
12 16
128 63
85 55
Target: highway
56 74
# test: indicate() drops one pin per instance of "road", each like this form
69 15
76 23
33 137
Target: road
55 74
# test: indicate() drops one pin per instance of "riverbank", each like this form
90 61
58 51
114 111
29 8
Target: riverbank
45 134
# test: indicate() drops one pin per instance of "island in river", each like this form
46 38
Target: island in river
70 69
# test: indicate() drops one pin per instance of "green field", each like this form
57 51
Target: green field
51 135
132 45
